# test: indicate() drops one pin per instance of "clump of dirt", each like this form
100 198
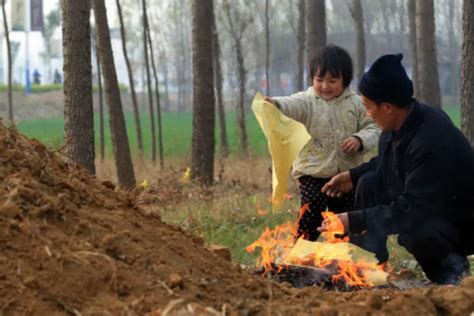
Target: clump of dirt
71 244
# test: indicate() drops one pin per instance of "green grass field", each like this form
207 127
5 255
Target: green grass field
177 132
454 113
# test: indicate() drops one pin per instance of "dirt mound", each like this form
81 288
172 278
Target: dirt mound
73 245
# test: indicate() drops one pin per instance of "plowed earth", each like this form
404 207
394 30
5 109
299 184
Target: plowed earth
70 244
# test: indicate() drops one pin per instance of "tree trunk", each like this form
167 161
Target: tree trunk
368 25
218 80
180 91
300 64
202 163
237 37
157 96
120 144
136 112
411 9
426 53
386 24
9 56
355 7
78 111
267 47
241 109
402 18
180 55
164 62
148 81
187 64
101 105
316 36
452 52
467 71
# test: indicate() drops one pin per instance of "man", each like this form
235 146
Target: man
421 184
36 77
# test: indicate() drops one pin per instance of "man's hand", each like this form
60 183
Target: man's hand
326 224
339 184
351 144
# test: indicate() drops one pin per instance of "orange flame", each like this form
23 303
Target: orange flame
335 228
303 210
274 244
278 248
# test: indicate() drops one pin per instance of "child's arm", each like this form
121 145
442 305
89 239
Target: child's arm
274 102
296 106
368 131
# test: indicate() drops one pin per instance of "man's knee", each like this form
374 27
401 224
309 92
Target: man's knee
374 244
432 239
367 183
418 241
369 192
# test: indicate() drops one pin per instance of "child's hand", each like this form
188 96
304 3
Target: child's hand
268 99
351 144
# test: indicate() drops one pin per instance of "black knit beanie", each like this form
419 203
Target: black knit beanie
387 81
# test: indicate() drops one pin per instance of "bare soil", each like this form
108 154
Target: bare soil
71 244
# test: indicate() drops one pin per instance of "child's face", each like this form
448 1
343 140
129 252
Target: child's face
328 87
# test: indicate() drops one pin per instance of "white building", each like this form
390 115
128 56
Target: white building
37 47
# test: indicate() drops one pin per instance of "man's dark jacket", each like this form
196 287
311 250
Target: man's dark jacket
427 171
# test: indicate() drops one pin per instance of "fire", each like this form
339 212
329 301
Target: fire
335 228
278 249
303 210
274 244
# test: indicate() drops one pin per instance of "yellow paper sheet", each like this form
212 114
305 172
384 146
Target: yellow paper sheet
331 251
285 137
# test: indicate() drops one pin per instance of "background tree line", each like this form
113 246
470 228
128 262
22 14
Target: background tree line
174 49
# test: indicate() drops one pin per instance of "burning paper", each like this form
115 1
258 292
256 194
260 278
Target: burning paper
355 265
349 264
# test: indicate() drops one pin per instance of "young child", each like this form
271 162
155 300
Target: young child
340 131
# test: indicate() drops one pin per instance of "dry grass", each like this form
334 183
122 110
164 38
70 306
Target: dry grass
252 173
229 213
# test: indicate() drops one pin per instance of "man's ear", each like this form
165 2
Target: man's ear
388 107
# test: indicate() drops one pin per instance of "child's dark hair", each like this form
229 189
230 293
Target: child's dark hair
333 59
